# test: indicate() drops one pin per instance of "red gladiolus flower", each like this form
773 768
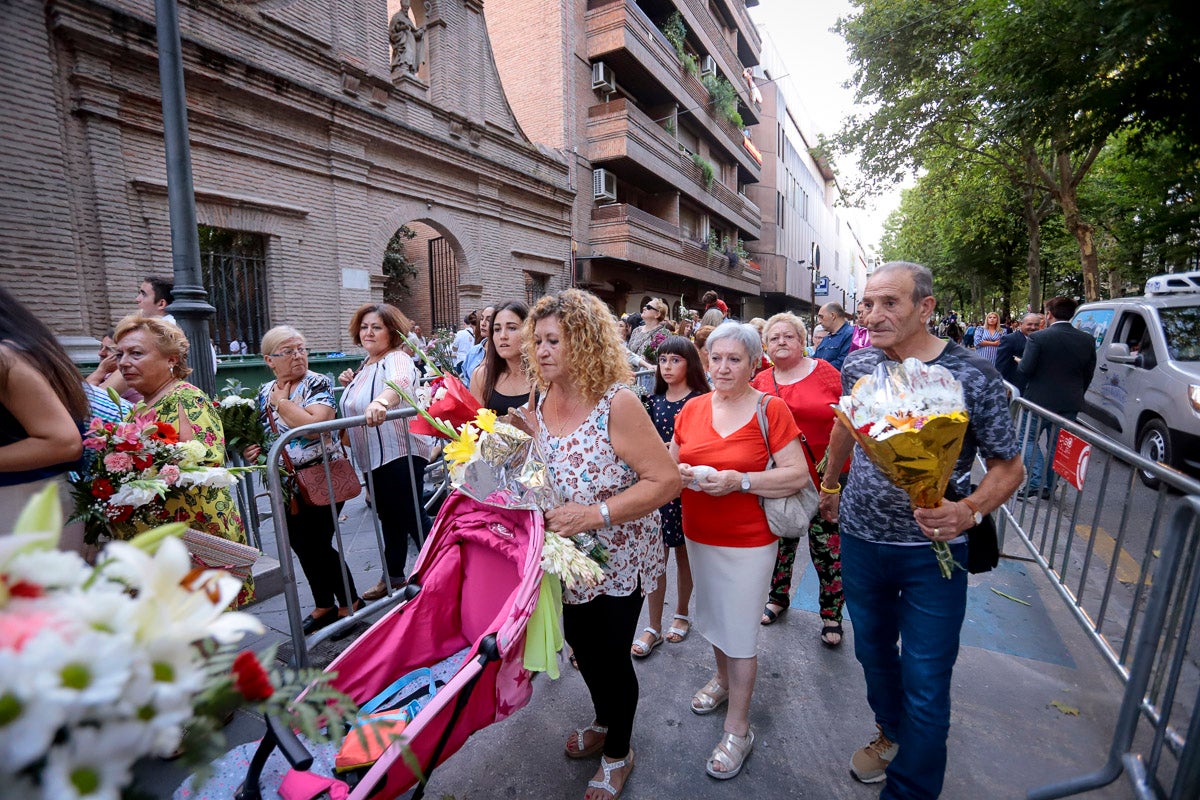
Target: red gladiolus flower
250 679
103 489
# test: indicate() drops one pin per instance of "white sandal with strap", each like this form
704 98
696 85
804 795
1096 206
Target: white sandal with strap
679 633
582 751
640 649
731 753
608 767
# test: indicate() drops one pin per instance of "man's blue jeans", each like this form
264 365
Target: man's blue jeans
895 594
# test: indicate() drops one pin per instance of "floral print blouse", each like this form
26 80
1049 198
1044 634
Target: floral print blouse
585 469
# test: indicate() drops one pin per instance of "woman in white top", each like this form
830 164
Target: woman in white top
395 458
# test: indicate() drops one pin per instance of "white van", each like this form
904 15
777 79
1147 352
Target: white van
1146 390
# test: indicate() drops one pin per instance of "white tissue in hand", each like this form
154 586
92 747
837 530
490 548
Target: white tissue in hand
699 473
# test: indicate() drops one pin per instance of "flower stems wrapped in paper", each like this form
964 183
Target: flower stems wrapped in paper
910 420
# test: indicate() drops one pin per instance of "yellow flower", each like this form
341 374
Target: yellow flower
462 449
486 419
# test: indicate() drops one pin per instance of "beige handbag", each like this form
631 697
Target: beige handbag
788 517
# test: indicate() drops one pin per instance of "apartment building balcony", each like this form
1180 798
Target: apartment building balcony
622 136
625 233
645 64
699 20
749 42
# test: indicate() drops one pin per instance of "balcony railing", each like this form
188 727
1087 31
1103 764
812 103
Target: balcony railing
619 129
659 244
732 66
646 44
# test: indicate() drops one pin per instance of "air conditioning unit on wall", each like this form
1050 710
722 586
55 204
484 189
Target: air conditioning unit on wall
603 78
604 185
708 66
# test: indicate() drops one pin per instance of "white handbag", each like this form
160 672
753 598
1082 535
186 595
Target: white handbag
788 517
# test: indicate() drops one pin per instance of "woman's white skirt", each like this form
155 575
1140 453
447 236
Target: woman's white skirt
732 584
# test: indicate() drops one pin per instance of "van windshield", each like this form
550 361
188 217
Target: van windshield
1181 327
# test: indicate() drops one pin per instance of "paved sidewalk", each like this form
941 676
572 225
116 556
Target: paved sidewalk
809 709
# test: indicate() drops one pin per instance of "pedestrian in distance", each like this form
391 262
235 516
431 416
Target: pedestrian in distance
1012 347
836 345
1057 367
987 337
907 617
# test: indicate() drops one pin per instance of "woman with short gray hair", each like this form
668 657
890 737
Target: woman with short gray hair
722 457
298 396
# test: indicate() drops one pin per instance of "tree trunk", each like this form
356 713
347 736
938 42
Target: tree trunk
1084 234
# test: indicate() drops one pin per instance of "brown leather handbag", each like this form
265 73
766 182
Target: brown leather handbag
311 482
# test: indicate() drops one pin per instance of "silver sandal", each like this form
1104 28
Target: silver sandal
640 649
731 753
608 767
711 697
679 633
580 750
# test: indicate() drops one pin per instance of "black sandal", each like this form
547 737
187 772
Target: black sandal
827 629
772 616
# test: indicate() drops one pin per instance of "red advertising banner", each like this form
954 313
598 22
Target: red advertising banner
1071 457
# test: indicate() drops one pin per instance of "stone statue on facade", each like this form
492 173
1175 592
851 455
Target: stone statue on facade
408 42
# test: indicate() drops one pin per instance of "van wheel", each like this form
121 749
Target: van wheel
1154 444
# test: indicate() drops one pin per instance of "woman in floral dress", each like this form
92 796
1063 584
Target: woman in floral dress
152 357
592 430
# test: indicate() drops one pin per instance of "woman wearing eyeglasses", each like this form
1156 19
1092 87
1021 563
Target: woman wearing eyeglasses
299 396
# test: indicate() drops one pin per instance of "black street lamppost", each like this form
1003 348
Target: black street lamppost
191 307
814 266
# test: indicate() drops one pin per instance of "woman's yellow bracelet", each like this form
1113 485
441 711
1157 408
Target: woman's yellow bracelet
826 490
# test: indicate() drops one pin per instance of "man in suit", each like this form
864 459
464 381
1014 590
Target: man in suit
1012 347
1057 368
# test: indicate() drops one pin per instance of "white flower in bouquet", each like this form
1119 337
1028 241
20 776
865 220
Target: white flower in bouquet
82 670
191 453
230 401
30 719
562 558
218 477
138 493
94 762
172 602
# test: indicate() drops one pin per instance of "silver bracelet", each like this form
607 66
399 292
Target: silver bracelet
605 515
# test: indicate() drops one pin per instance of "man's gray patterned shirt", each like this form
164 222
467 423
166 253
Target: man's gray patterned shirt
872 507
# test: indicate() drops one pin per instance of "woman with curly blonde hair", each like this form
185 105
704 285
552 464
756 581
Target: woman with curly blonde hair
593 430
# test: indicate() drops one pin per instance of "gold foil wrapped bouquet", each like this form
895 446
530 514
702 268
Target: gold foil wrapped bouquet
910 420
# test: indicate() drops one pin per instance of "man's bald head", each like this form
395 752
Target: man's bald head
832 316
1031 322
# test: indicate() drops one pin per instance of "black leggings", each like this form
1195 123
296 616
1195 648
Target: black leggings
399 518
310 532
600 631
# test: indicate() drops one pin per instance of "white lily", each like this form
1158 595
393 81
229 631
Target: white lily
171 608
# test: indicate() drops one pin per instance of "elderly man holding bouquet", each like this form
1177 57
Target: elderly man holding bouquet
894 585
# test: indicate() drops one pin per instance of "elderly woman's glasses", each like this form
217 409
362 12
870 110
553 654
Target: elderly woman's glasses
288 352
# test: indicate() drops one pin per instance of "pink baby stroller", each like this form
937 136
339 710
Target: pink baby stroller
473 589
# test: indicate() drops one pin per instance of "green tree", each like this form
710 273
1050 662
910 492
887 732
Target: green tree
398 269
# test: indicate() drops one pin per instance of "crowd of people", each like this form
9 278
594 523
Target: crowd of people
743 412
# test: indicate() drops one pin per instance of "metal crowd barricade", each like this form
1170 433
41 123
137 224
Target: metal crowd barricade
273 477
1134 591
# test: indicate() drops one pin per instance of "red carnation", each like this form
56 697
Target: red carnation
23 588
250 679
143 460
103 489
121 513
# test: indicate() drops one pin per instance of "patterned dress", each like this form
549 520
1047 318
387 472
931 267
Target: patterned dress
662 412
586 470
204 508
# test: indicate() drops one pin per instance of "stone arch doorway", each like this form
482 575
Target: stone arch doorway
421 272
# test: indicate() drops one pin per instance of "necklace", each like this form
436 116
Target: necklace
571 409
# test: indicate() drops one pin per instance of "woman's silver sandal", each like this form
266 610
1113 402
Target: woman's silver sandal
709 698
581 751
731 753
608 767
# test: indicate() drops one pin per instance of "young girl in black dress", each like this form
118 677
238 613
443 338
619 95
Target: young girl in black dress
679 378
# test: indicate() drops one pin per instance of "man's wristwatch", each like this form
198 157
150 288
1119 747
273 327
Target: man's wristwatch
745 481
976 514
